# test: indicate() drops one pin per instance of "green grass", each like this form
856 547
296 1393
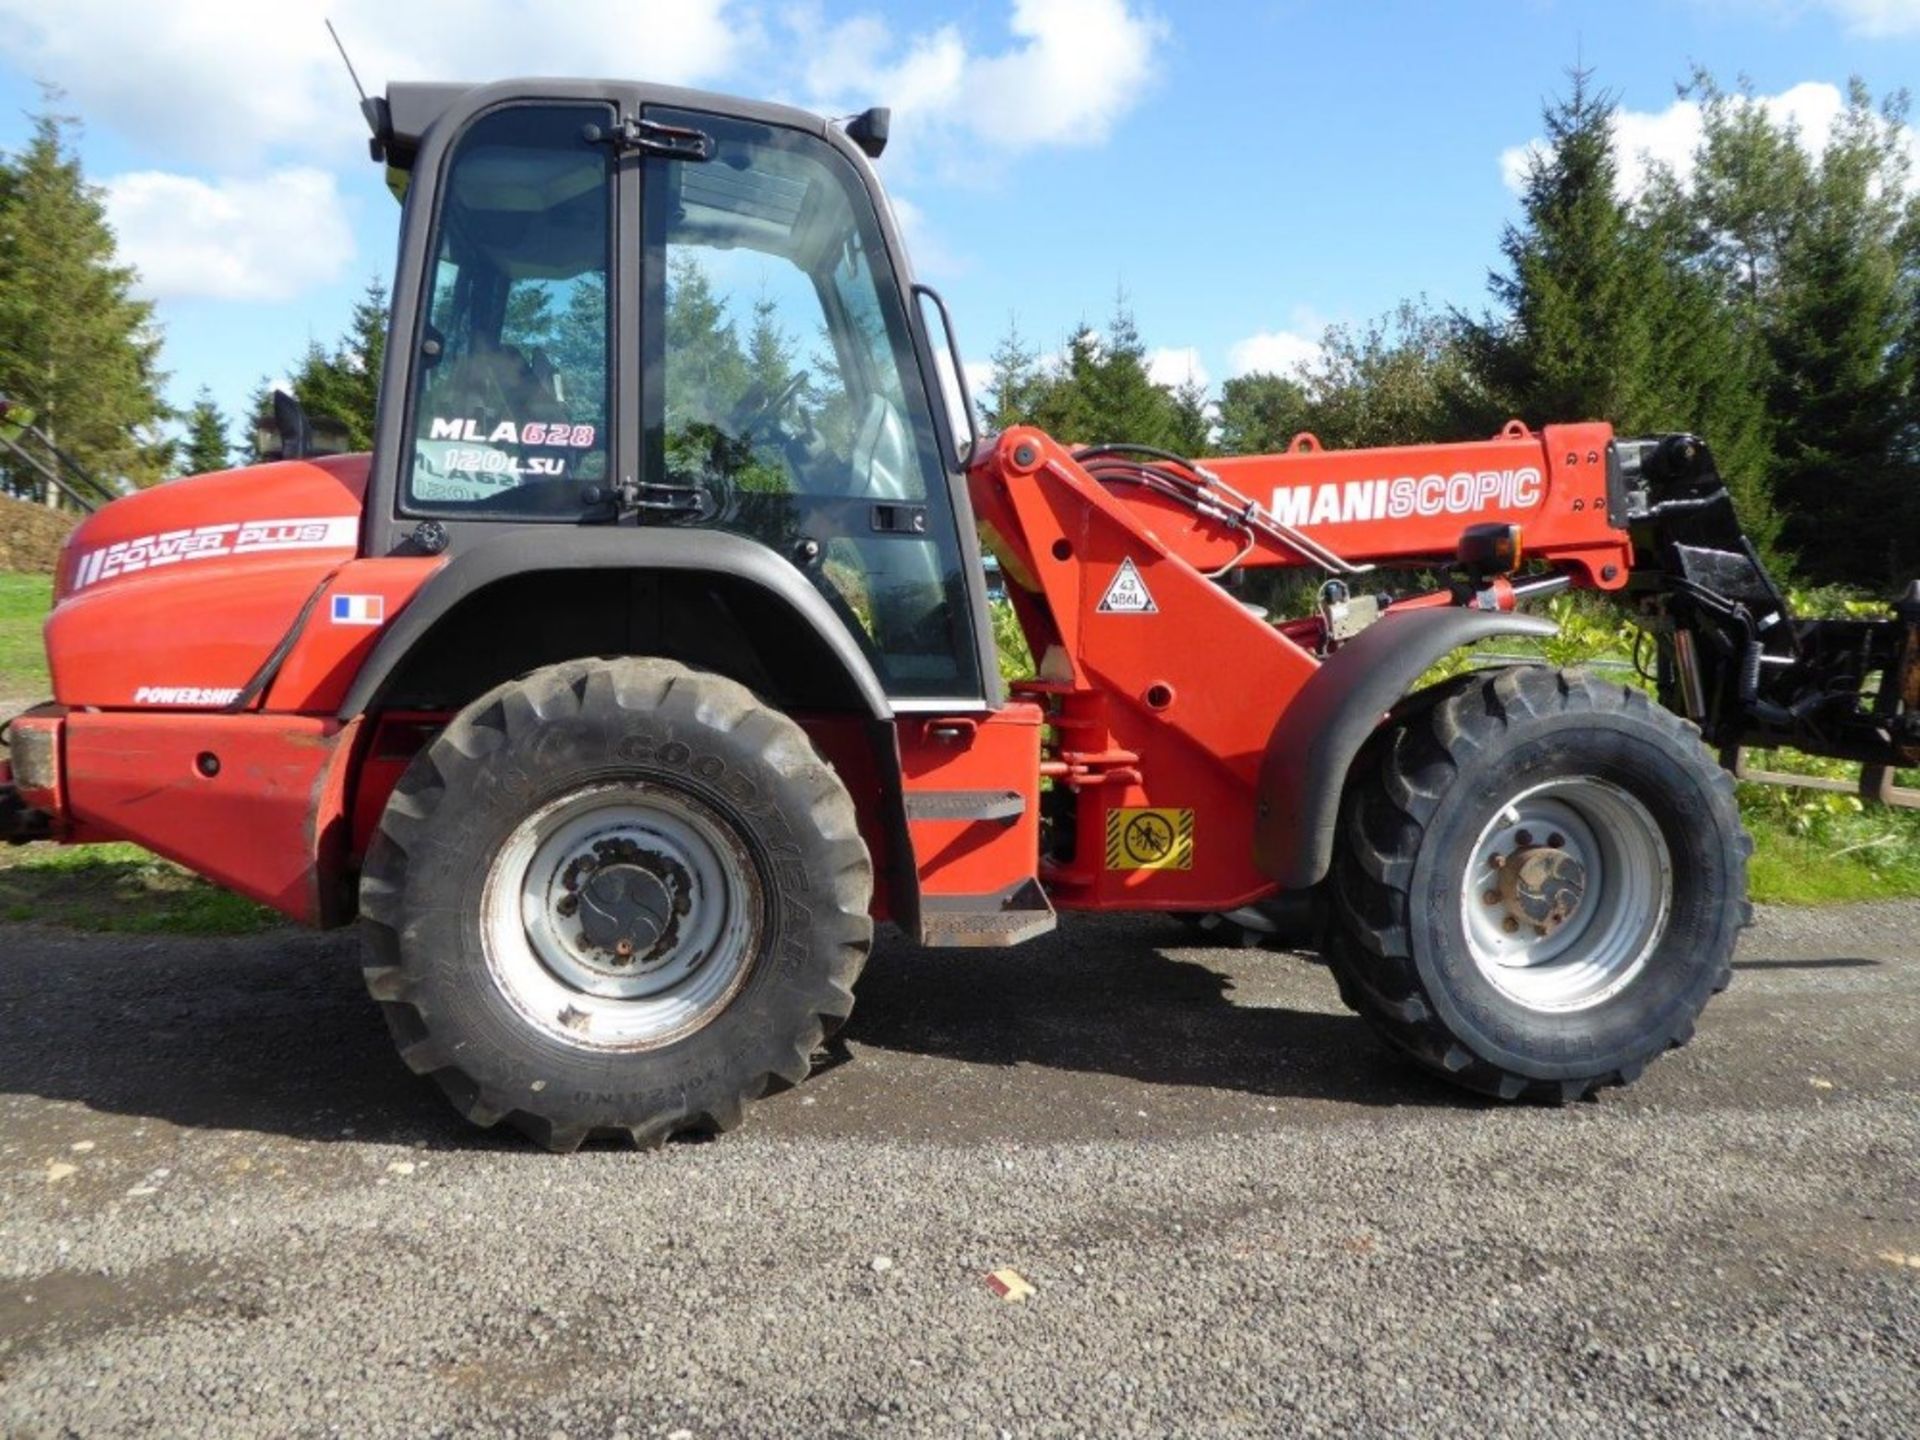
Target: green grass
120 889
1816 847
24 601
1789 869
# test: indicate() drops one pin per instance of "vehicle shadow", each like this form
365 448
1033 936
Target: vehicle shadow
275 1034
1138 998
268 1033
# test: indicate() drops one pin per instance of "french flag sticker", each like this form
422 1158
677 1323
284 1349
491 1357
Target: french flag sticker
359 609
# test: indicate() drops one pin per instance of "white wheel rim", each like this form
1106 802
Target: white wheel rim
1567 894
621 917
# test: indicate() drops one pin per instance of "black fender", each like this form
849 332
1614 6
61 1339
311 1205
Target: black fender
531 550
1313 745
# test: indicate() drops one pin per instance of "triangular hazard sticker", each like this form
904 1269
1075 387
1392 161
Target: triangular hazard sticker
1127 594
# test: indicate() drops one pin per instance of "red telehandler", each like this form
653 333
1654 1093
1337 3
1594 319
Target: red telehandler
642 666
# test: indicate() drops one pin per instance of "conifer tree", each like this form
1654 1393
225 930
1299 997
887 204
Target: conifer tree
206 441
1573 337
1601 317
1014 381
76 346
1842 380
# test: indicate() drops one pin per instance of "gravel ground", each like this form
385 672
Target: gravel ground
225 1208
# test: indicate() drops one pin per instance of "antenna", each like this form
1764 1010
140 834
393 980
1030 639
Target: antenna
352 74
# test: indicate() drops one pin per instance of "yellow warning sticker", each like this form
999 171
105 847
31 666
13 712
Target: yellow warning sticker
1149 839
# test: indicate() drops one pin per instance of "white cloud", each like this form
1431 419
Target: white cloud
1176 365
223 82
1643 139
848 62
220 83
1274 352
1073 69
1081 65
264 239
229 100
1877 19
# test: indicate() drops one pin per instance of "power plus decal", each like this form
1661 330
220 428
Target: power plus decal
211 542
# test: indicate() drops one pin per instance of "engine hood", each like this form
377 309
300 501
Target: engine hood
272 509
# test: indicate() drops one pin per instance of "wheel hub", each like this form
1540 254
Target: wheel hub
624 911
1566 893
1542 887
620 915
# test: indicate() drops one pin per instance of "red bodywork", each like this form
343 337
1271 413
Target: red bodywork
1172 709
173 603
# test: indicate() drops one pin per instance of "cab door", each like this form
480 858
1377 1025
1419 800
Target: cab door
784 395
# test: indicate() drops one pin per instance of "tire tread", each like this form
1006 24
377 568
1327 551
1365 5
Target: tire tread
1401 781
571 689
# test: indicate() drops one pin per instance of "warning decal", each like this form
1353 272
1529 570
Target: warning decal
1127 594
1146 839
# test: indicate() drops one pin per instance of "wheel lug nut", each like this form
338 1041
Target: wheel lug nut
1491 897
1556 840
1498 860
1523 837
1509 925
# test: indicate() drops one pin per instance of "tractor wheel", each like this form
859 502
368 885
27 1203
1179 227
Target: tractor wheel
616 898
1539 884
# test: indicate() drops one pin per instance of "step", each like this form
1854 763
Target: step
968 805
981 921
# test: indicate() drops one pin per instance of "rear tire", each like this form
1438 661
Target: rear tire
1539 884
616 898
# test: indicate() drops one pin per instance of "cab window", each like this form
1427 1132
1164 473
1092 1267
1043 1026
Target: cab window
510 404
789 403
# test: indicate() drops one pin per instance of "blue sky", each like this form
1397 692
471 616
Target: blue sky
1246 172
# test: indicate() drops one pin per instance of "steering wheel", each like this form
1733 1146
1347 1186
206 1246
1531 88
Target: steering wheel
762 418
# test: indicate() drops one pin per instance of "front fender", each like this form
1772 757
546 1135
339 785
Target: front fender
528 550
1312 747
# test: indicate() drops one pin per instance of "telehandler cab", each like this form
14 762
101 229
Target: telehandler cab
646 661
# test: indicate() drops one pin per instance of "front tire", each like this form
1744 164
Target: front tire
616 898
1539 884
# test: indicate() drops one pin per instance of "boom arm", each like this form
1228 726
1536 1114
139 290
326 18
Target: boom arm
1164 691
1399 506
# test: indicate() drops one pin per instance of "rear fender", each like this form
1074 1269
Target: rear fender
1315 742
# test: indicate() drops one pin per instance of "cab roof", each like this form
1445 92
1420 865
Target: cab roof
402 117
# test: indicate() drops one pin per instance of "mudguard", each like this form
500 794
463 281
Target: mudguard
529 549
1312 747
